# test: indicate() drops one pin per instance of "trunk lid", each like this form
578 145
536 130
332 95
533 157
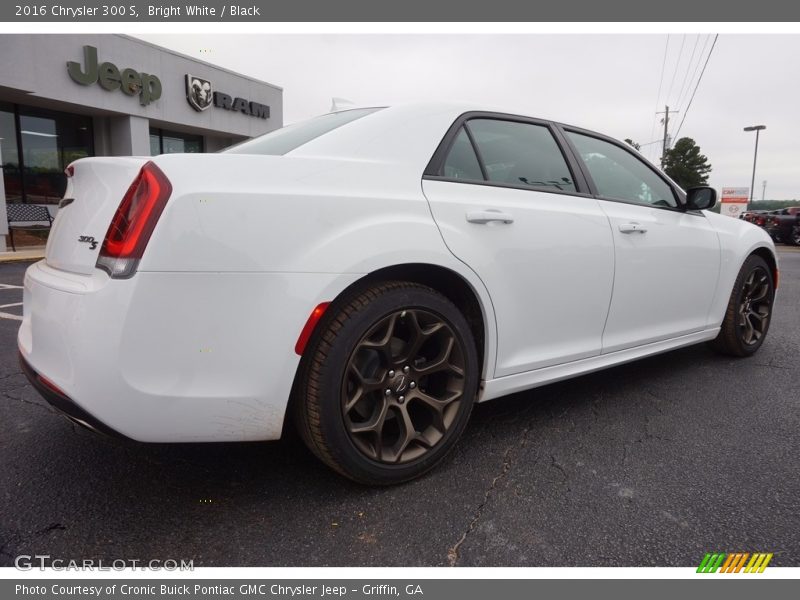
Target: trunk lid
93 194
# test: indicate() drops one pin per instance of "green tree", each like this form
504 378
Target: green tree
684 163
632 143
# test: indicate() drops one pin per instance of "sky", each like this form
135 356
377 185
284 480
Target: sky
611 83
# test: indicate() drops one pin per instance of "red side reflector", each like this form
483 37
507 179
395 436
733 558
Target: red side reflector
776 277
69 171
308 328
50 385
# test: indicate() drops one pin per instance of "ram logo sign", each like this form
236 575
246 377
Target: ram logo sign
200 94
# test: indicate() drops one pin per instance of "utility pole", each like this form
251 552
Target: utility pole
763 189
666 132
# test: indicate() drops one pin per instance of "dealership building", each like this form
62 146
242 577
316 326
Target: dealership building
64 97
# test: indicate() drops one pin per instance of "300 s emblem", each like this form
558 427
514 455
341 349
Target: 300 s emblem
87 239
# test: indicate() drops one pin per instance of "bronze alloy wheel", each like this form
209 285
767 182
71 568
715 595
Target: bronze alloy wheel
387 382
402 387
755 306
746 322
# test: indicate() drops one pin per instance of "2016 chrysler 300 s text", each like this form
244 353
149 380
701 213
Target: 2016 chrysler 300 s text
370 274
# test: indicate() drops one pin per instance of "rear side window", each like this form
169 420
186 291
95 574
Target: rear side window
521 154
620 175
461 162
293 136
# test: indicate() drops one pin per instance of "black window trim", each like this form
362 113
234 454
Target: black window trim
678 194
435 165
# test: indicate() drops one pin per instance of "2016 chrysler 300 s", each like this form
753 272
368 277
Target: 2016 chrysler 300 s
370 274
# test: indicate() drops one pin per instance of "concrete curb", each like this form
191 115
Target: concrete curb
22 255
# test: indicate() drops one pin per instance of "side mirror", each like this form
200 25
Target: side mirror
700 198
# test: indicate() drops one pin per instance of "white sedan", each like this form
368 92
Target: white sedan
370 274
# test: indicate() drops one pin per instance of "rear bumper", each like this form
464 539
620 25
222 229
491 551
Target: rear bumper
63 403
169 357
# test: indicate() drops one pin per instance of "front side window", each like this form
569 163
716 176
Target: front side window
620 175
521 154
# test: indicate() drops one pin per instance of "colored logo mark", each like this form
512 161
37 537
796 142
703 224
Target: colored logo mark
734 562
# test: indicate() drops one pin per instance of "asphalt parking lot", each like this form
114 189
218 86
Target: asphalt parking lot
648 464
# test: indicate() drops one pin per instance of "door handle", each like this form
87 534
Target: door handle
482 217
632 228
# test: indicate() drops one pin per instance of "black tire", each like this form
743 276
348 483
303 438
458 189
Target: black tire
345 358
743 331
794 236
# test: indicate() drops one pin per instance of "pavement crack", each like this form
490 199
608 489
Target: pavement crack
772 366
554 463
453 553
51 527
16 539
5 394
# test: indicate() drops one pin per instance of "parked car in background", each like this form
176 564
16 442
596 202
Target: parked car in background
750 215
784 225
370 274
760 218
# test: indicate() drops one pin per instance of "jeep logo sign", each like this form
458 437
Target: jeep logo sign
200 94
130 81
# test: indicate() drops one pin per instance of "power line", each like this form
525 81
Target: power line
697 66
677 65
688 68
699 79
660 84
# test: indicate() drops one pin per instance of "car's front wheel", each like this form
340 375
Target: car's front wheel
749 311
387 383
795 235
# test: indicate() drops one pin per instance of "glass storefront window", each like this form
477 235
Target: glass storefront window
155 143
36 147
172 142
43 178
9 154
50 141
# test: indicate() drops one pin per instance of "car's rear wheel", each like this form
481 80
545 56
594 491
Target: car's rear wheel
387 383
749 311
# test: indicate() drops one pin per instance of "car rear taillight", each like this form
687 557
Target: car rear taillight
134 222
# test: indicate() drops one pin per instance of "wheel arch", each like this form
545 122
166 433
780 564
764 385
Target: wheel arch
771 260
450 284
455 286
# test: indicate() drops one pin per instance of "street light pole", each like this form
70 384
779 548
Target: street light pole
757 129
